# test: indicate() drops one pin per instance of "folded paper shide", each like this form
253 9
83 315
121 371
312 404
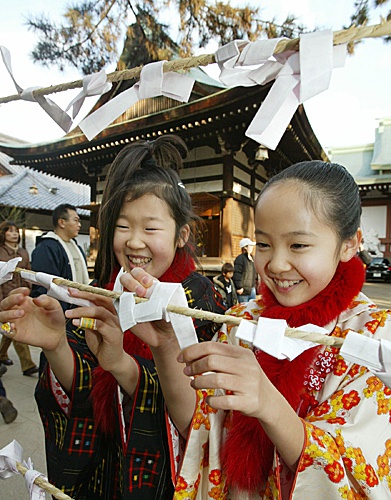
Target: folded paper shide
168 301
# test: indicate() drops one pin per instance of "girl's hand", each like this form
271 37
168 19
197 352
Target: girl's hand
234 369
156 333
106 342
38 322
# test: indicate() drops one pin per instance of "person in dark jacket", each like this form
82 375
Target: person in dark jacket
58 253
245 275
225 285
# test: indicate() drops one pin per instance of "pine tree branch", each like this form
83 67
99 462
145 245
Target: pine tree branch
340 37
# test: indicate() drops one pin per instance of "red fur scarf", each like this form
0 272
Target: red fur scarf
104 384
247 455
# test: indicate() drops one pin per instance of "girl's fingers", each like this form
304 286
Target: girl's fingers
98 300
46 302
13 299
226 402
21 290
199 351
137 281
223 381
11 315
89 312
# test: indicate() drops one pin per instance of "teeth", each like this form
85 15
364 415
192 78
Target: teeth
139 261
286 284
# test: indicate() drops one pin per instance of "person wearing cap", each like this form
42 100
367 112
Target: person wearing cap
245 275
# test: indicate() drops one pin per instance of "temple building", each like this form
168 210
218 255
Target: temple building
370 164
223 173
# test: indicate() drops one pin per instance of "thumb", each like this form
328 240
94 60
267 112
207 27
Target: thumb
46 302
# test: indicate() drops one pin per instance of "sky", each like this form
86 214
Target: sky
346 114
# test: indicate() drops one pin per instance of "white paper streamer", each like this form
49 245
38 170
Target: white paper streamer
50 107
159 295
10 454
125 310
95 84
153 82
234 65
7 269
58 292
269 336
298 76
36 493
246 331
13 453
372 353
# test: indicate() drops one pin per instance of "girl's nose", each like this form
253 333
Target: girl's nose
278 263
135 242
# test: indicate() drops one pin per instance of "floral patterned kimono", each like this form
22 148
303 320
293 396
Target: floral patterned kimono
346 415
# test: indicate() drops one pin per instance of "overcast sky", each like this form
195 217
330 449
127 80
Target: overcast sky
344 115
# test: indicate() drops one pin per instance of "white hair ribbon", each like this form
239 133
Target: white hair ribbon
95 84
50 107
7 269
153 82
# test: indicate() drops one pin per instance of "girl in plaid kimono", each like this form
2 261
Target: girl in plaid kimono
109 433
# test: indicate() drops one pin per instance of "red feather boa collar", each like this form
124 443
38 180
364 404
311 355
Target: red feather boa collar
247 455
104 384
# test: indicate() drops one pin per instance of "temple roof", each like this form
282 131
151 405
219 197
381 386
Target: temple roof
210 119
16 182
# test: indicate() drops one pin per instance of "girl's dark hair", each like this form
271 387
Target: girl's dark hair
144 167
329 190
4 226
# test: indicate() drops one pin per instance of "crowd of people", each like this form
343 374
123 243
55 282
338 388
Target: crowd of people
128 414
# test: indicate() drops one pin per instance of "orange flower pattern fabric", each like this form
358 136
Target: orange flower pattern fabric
347 450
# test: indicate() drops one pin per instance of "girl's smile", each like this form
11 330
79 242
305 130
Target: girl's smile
145 235
297 254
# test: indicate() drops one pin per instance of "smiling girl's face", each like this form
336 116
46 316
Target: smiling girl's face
296 253
145 236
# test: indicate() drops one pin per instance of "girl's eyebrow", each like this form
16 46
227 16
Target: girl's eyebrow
290 233
143 217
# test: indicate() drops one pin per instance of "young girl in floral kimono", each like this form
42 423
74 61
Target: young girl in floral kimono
317 427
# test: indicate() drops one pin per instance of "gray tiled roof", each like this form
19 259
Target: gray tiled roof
52 190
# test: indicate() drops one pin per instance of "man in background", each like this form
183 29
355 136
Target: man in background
58 253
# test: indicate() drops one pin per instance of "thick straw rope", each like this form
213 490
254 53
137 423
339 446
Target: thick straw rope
45 485
351 34
198 313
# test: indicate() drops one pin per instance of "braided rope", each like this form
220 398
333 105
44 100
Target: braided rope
197 313
351 34
45 485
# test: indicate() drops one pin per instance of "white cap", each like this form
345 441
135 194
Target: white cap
245 242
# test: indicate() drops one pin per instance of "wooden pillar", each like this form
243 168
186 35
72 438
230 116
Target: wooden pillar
226 208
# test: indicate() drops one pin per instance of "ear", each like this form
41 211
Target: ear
351 246
184 234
